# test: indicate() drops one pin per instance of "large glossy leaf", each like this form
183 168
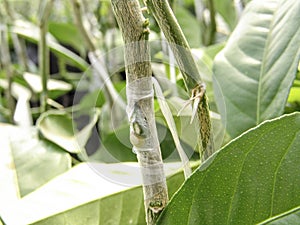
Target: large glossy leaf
257 67
253 178
89 194
32 162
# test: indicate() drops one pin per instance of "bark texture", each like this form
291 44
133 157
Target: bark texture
140 109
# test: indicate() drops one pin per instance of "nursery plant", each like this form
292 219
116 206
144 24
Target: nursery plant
149 112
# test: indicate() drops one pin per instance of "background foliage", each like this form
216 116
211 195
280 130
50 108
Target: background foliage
57 165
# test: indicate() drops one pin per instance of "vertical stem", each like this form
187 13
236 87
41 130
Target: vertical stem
97 62
140 107
79 23
212 25
199 10
6 61
167 22
44 51
208 28
17 42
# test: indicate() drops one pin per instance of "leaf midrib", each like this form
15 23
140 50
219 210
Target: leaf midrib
266 50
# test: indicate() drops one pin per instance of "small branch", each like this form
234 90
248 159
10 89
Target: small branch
78 18
98 64
208 28
140 109
167 22
6 62
18 44
199 10
213 24
44 51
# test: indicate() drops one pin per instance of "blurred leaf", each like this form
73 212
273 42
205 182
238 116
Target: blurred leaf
227 11
189 26
67 34
56 88
294 95
116 146
84 134
100 201
18 90
22 114
31 33
250 180
254 72
34 161
91 100
58 127
213 50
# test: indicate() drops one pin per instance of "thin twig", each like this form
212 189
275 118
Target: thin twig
44 51
213 24
78 18
111 95
17 42
6 62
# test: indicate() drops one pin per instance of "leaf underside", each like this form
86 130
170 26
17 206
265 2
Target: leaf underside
254 72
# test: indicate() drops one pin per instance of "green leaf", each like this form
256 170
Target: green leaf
116 146
253 178
56 88
189 25
67 34
227 11
288 218
33 161
254 72
58 127
294 95
86 195
30 32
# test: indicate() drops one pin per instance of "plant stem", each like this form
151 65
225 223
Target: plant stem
212 25
167 22
208 28
80 26
98 64
44 51
17 42
6 61
140 107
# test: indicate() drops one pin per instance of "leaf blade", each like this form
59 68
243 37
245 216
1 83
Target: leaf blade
247 182
259 62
